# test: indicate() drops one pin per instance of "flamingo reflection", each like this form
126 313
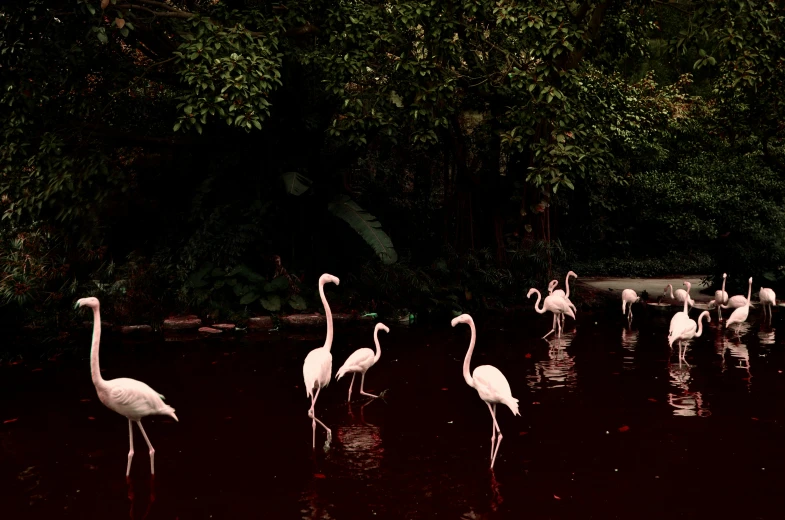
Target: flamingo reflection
685 403
739 351
361 443
496 500
132 497
766 337
629 340
558 371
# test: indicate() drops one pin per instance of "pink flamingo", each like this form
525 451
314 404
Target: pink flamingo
554 304
768 299
734 302
740 314
687 330
628 297
681 294
720 297
128 397
318 365
490 384
361 360
559 292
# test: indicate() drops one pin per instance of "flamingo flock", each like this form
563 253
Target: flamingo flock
136 400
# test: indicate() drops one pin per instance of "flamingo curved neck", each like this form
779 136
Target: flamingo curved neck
378 346
700 323
467 375
328 341
567 283
749 292
724 279
95 368
671 288
540 310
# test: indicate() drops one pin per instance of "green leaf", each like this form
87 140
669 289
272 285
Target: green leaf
295 183
246 272
249 298
366 225
278 284
272 303
298 302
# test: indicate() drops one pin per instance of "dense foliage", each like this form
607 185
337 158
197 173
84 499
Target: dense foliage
442 155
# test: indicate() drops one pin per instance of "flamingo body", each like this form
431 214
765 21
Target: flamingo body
318 364
768 299
490 383
628 297
554 304
680 296
742 312
128 397
361 360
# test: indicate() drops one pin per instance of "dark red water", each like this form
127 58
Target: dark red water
609 428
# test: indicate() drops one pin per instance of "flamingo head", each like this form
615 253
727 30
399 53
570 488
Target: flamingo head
328 278
382 326
91 302
572 273
724 275
463 318
750 280
688 284
552 285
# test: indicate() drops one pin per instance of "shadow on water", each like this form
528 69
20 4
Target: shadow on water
610 427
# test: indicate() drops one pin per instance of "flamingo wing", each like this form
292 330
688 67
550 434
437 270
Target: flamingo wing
360 361
134 399
317 369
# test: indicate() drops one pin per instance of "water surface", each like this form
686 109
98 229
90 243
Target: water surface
609 427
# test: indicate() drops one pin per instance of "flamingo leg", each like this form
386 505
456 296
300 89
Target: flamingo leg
551 332
314 420
350 387
493 432
152 450
131 449
362 384
498 432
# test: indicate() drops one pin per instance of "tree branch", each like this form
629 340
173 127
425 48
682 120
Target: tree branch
162 5
158 14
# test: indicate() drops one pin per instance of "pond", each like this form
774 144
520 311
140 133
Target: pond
609 427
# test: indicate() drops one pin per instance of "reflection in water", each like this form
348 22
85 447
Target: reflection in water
132 497
629 340
558 371
360 444
739 351
684 402
496 500
766 336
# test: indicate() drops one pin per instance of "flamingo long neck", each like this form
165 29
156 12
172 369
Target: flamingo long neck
749 292
567 283
700 323
378 346
539 311
671 288
328 341
724 279
95 367
467 375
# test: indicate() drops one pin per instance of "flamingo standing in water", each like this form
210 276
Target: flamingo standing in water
318 365
361 360
128 397
628 297
554 304
490 383
734 302
559 292
740 314
720 297
681 294
768 299
686 330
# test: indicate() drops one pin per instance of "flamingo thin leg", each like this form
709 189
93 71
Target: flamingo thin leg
499 432
131 449
312 415
362 384
152 450
350 387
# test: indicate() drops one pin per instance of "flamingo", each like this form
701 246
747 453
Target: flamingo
490 384
740 314
361 360
734 302
628 296
768 299
686 331
128 397
678 323
681 294
559 292
318 365
554 304
720 297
